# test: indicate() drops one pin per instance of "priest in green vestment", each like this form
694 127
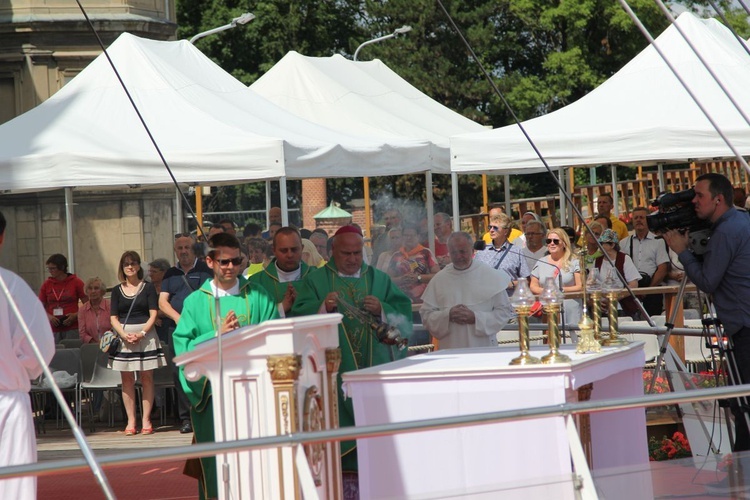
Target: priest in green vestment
241 303
283 276
346 277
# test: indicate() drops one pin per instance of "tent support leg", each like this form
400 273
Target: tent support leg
454 199
69 227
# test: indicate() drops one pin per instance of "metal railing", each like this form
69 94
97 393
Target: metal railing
363 432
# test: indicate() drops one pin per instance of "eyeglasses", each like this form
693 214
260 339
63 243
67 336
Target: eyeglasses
530 233
130 264
550 241
496 228
607 242
236 261
51 268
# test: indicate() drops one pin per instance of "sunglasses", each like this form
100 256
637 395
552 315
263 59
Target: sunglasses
496 228
236 261
549 241
183 235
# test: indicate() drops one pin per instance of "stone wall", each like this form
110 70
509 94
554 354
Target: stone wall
105 224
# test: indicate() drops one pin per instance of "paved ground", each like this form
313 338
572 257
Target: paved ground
162 480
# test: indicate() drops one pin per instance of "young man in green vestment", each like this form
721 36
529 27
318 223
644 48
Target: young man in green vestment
241 303
346 277
284 274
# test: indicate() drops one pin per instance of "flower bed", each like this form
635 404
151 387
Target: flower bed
668 449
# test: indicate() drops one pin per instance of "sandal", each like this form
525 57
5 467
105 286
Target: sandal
147 430
131 432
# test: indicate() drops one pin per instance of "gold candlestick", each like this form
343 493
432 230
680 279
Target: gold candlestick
553 336
586 341
614 339
595 312
522 300
523 338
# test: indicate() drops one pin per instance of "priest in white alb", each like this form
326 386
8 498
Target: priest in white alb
466 303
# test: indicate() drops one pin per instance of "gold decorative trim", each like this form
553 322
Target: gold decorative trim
333 359
313 420
584 424
284 368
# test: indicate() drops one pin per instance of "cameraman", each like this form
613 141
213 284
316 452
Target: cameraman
724 272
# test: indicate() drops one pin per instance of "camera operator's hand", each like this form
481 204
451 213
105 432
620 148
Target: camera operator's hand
676 240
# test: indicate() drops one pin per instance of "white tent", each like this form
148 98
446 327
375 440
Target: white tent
365 98
641 115
209 126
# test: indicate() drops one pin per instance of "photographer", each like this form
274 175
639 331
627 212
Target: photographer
724 272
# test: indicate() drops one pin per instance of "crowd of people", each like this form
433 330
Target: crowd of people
463 291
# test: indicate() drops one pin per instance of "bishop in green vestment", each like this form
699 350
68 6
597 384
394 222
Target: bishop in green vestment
283 276
241 303
346 277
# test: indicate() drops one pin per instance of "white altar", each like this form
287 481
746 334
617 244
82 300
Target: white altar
519 459
279 378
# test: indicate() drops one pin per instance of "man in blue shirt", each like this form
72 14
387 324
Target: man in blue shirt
180 281
724 271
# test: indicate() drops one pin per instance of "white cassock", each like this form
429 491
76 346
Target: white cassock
482 289
18 366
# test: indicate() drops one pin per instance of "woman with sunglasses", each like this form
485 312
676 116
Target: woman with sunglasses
134 308
564 268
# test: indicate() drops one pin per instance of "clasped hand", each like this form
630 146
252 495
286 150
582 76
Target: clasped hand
462 315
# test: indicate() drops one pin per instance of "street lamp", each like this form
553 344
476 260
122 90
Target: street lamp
397 32
243 19
366 180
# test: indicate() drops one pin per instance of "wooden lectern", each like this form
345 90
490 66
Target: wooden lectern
279 378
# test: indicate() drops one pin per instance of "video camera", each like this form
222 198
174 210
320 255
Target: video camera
676 211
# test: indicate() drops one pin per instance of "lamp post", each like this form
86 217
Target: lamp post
396 32
366 180
241 20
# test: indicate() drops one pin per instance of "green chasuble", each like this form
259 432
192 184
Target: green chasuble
197 323
359 347
269 279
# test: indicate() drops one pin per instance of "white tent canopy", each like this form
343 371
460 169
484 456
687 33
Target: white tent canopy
209 126
641 115
365 98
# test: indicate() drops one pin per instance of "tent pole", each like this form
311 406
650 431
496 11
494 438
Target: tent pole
592 175
572 191
615 196
199 208
368 215
430 211
563 204
506 186
485 195
177 211
283 201
660 173
268 203
454 200
69 228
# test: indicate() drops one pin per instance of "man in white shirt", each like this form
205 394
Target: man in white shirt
535 248
18 366
465 304
650 258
